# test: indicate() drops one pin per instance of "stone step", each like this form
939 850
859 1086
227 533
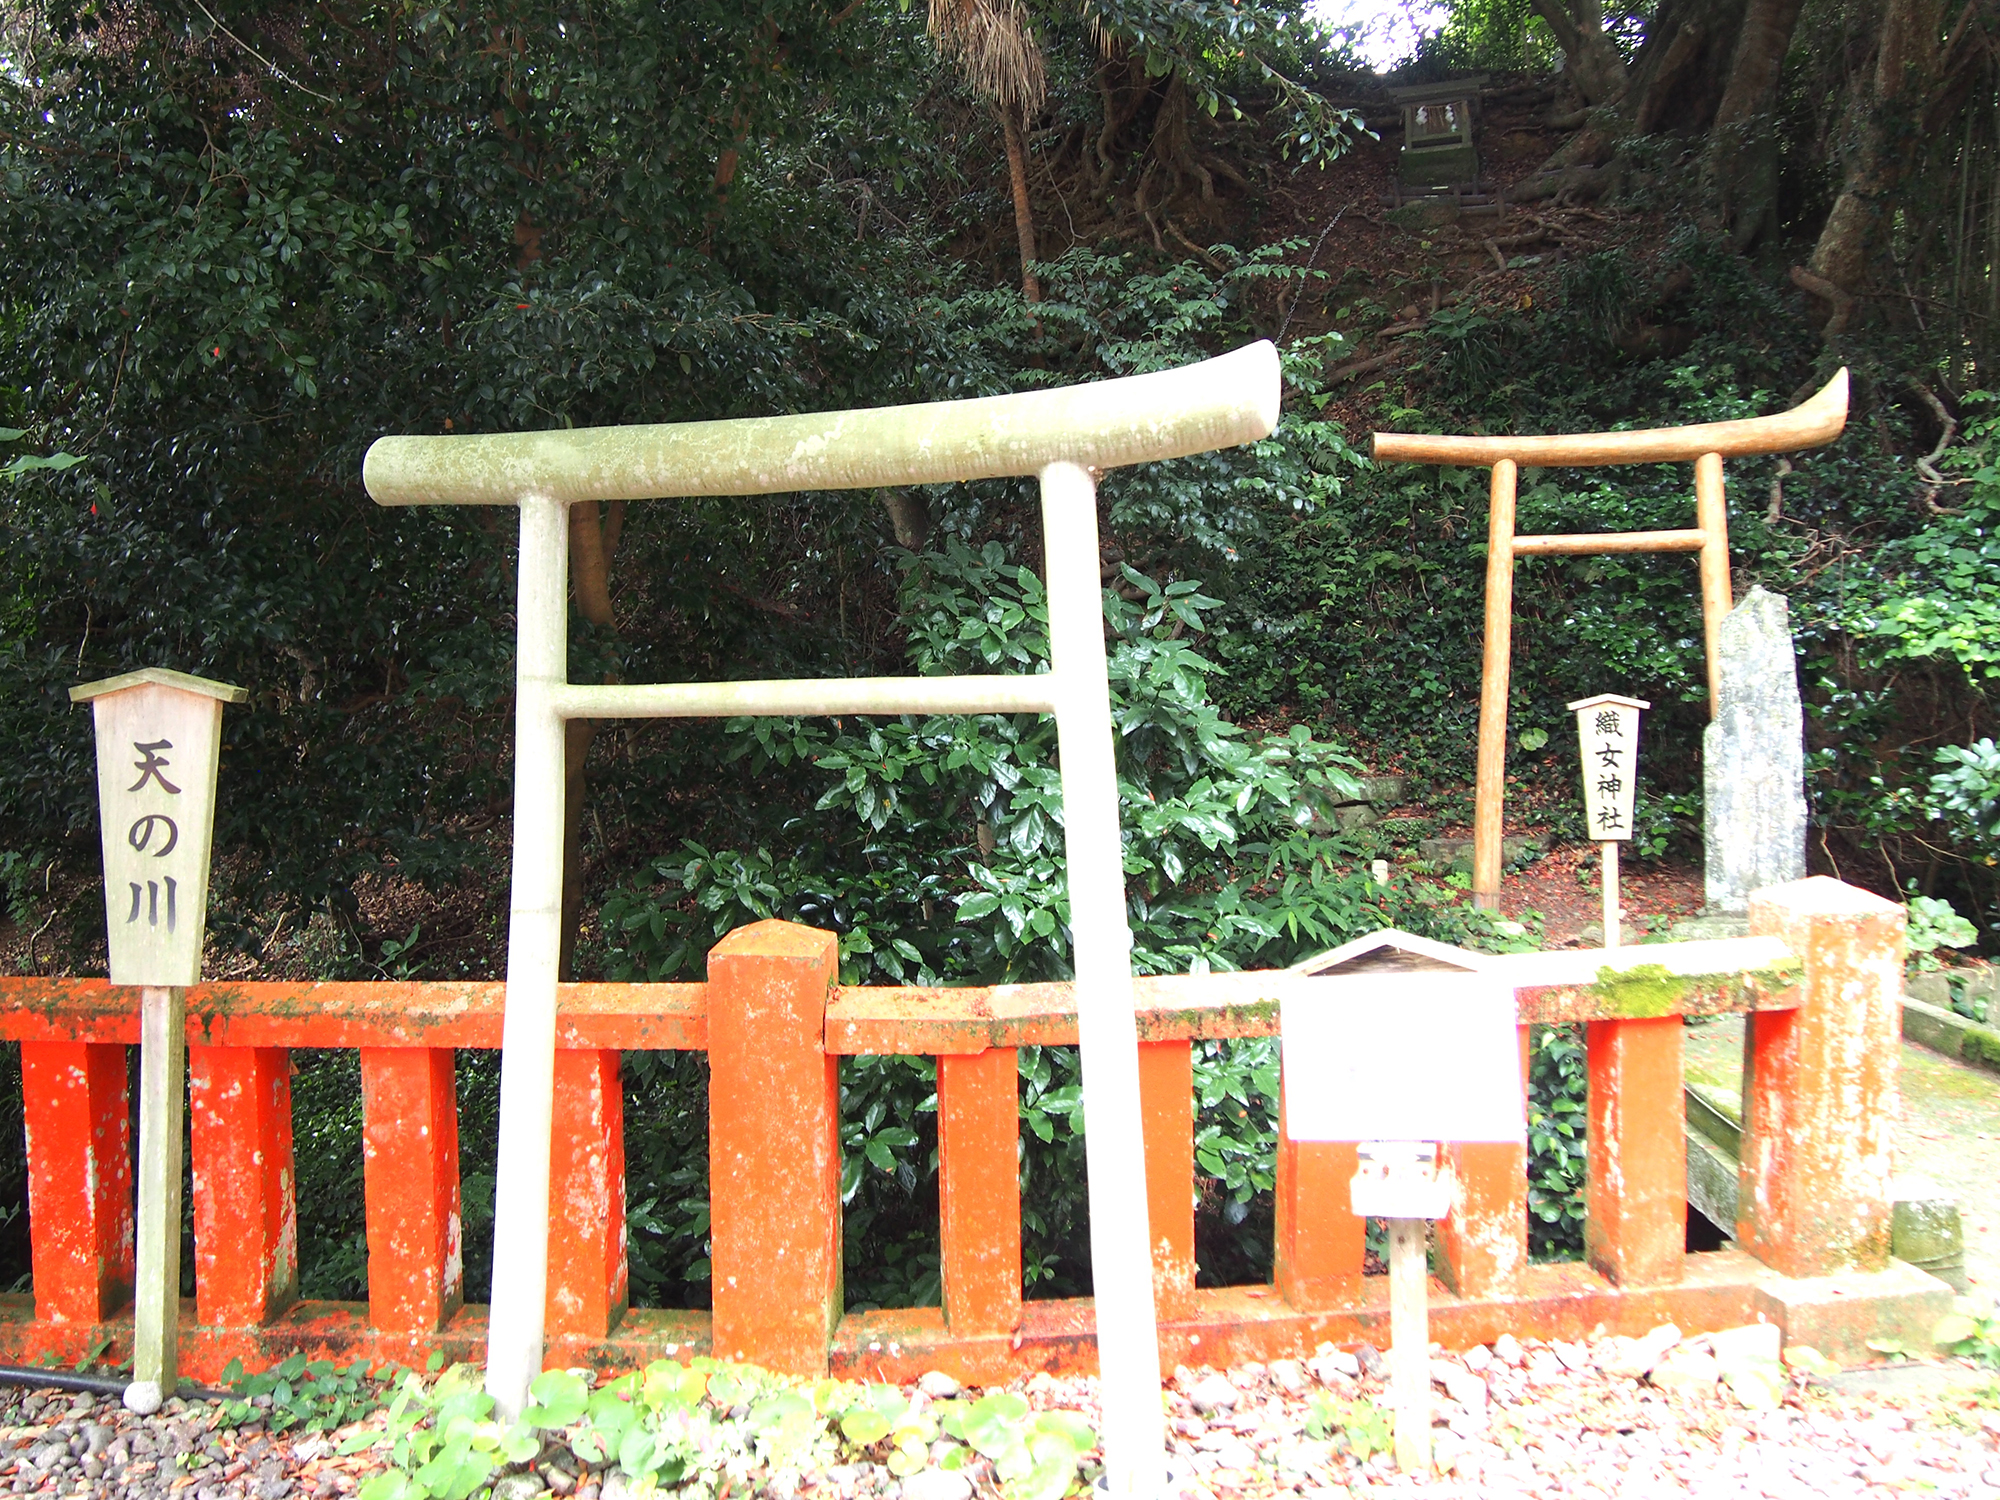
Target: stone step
1925 1229
1456 854
1377 792
1980 981
1380 791
1948 1032
1706 925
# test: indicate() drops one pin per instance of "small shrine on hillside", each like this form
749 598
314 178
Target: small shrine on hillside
1438 153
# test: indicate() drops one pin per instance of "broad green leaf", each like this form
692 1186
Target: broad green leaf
557 1398
519 1445
1953 1328
864 1427
638 1452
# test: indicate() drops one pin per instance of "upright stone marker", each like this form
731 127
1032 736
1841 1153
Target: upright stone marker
158 737
1753 756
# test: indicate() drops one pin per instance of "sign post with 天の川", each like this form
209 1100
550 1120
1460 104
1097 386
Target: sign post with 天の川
158 736
1607 733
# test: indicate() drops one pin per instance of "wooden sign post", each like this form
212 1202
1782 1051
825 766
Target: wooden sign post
1401 1182
1399 1063
158 737
1607 733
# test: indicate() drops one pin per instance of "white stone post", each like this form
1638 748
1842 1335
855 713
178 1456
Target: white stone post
1121 1266
534 945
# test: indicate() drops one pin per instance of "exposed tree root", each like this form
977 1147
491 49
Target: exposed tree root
1840 303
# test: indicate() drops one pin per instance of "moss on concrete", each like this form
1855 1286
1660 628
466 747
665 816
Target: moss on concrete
1781 975
1643 992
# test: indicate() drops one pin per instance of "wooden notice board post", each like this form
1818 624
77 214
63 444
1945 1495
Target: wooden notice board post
1398 1063
158 737
1607 736
1813 422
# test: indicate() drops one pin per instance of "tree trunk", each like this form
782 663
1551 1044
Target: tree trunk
1673 85
1680 74
909 518
593 541
1590 58
1024 215
1761 45
1740 164
1879 136
578 735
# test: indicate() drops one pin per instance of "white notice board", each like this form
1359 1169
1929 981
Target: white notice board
1401 1057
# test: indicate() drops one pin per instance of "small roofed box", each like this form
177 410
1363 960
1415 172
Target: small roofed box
1437 133
158 737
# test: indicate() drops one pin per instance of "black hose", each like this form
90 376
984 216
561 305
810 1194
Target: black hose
62 1380
96 1385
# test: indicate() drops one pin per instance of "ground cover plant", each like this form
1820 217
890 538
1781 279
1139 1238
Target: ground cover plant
242 241
706 1428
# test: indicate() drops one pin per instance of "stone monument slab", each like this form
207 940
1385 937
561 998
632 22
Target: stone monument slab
1754 758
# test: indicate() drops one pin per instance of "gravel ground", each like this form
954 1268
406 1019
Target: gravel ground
53 1442
1517 1419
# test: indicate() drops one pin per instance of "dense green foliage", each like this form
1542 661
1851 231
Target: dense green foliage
1558 1111
221 306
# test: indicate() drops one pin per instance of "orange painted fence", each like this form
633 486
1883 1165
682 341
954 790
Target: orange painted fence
1815 1167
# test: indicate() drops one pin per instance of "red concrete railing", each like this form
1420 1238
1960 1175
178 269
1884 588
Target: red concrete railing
774 1024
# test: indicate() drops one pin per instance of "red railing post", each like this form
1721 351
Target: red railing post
979 1190
246 1228
1635 1204
1484 1243
1317 1240
78 1117
587 1271
416 1261
773 1147
1820 1099
1166 1102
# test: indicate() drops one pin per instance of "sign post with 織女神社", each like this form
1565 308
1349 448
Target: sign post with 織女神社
1607 734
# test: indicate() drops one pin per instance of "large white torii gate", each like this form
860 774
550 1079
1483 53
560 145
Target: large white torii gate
1066 438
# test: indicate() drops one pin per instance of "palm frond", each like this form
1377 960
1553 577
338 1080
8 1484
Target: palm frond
995 48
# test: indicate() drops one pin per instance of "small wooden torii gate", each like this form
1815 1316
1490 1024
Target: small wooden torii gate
1813 422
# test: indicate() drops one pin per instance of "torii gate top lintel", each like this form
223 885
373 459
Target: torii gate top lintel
1820 419
1106 424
